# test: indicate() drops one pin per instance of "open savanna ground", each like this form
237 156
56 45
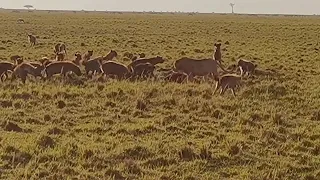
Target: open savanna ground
159 130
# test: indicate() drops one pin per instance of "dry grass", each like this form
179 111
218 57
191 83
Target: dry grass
158 130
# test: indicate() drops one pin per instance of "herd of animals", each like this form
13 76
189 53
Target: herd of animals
183 70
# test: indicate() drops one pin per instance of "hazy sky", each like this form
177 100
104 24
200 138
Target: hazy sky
242 6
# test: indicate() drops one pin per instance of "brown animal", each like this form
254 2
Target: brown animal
39 67
4 68
217 54
60 48
112 54
144 70
202 67
112 68
93 65
22 70
61 67
87 55
60 56
246 67
178 77
32 39
153 61
226 81
78 58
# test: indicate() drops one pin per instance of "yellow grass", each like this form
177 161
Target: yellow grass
63 130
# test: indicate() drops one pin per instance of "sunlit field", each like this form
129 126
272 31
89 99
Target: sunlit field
81 128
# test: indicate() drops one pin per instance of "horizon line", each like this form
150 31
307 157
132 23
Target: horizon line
153 11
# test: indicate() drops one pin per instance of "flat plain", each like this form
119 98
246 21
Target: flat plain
162 130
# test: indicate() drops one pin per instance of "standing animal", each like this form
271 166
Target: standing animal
226 81
202 67
93 65
153 61
78 58
4 68
217 54
60 47
115 69
60 56
32 39
246 67
87 56
144 70
61 67
22 70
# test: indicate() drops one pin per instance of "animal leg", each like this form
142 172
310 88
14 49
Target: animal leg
215 90
13 77
233 92
223 90
24 78
241 71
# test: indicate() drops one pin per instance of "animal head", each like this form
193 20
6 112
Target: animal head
159 59
19 60
114 53
217 45
90 53
77 55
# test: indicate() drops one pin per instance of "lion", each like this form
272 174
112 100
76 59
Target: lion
60 56
246 67
60 47
87 56
217 54
228 81
201 67
144 70
112 68
78 58
61 67
93 66
32 39
154 61
39 67
22 70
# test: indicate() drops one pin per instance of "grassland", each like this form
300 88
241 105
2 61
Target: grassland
95 130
